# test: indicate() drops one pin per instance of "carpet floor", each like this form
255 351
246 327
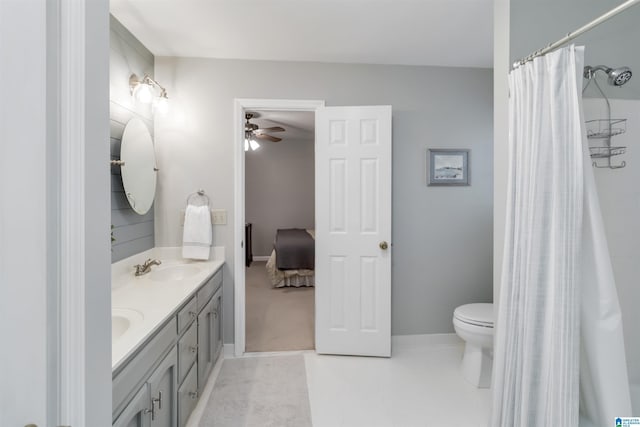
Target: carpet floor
260 392
277 319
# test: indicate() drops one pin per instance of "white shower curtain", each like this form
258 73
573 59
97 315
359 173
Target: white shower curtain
604 381
550 225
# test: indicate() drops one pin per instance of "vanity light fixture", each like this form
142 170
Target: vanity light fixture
161 104
143 90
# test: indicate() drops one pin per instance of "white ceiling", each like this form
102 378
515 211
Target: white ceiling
410 32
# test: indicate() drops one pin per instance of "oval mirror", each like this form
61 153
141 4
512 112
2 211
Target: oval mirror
139 169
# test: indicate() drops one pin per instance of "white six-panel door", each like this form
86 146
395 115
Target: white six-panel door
353 230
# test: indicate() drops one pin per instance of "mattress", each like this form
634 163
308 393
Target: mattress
295 249
283 278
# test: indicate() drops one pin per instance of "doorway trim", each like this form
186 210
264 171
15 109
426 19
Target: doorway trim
78 213
70 195
240 106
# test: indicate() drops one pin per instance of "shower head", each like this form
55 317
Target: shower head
617 76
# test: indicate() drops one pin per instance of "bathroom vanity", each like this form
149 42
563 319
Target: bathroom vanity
167 336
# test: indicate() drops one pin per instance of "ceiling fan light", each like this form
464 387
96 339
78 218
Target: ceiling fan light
254 144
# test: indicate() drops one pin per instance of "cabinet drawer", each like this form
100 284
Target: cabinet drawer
187 314
187 351
207 291
136 370
187 397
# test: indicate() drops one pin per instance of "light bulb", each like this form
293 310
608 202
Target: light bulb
143 93
161 105
254 144
246 145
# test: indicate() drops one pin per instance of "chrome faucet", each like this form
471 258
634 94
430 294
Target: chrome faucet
146 266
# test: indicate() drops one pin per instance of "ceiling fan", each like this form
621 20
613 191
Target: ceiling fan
253 132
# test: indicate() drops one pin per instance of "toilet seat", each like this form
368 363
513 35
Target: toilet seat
480 314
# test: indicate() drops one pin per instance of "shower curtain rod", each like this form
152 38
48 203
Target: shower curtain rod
572 35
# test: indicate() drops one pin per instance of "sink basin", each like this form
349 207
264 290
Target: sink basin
119 325
121 321
174 272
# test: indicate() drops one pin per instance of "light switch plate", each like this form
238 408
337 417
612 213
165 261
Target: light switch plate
182 212
219 216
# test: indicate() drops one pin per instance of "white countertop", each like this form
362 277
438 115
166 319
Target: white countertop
152 302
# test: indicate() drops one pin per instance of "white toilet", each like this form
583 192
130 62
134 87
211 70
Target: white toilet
474 324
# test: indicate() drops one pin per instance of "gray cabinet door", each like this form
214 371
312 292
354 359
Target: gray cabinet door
187 351
138 412
163 391
187 396
205 344
217 324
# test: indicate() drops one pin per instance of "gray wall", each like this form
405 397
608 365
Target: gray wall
442 236
501 64
279 190
133 233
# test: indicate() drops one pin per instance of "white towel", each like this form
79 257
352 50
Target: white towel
196 238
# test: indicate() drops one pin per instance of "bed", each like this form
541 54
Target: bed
292 260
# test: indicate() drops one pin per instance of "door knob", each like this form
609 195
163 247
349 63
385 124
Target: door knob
384 245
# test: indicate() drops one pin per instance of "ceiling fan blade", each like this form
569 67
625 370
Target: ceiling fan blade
271 129
267 137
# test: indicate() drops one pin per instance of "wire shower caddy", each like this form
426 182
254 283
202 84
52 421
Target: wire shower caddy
600 131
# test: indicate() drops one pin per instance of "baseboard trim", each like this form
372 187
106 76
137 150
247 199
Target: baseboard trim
261 258
408 342
229 351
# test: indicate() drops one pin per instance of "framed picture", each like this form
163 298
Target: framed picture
448 166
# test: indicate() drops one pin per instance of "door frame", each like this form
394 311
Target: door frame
79 213
240 106
70 194
67 176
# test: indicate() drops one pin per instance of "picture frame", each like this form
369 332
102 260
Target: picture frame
448 167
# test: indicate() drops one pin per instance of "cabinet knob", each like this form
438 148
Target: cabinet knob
193 394
193 314
193 349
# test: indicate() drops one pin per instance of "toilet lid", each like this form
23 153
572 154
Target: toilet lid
476 314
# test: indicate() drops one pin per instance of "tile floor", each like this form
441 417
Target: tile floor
419 386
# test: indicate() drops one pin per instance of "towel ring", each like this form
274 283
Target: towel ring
198 199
